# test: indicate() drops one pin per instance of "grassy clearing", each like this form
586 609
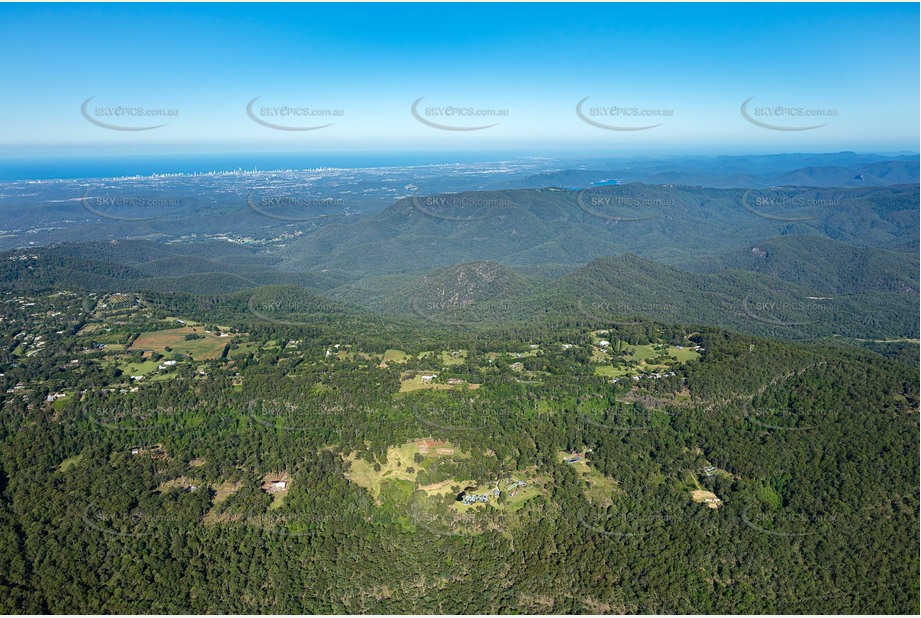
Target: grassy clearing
460 507
684 355
643 352
278 499
399 460
208 347
454 357
224 490
70 462
508 503
59 404
599 488
186 322
138 369
444 487
610 371
183 482
641 358
393 483
528 354
517 502
702 496
278 495
245 348
393 356
416 384
445 357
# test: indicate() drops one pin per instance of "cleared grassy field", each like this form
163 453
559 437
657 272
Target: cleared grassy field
59 404
416 384
684 354
139 369
641 357
598 356
399 460
517 502
394 356
208 347
70 462
702 496
182 482
224 490
599 488
444 487
245 348
509 504
610 371
643 352
449 358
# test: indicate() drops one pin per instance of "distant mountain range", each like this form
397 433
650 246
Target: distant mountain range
676 225
769 293
775 251
740 172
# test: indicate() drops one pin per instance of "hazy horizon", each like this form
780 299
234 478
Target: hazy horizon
625 78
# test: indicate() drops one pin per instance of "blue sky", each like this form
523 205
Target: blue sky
696 62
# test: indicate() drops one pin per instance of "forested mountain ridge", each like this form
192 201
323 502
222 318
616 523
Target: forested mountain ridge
825 265
785 293
790 286
775 476
672 224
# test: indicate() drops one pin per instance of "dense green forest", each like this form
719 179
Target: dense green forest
664 468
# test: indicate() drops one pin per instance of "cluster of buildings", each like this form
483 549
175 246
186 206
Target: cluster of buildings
654 376
515 488
474 498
